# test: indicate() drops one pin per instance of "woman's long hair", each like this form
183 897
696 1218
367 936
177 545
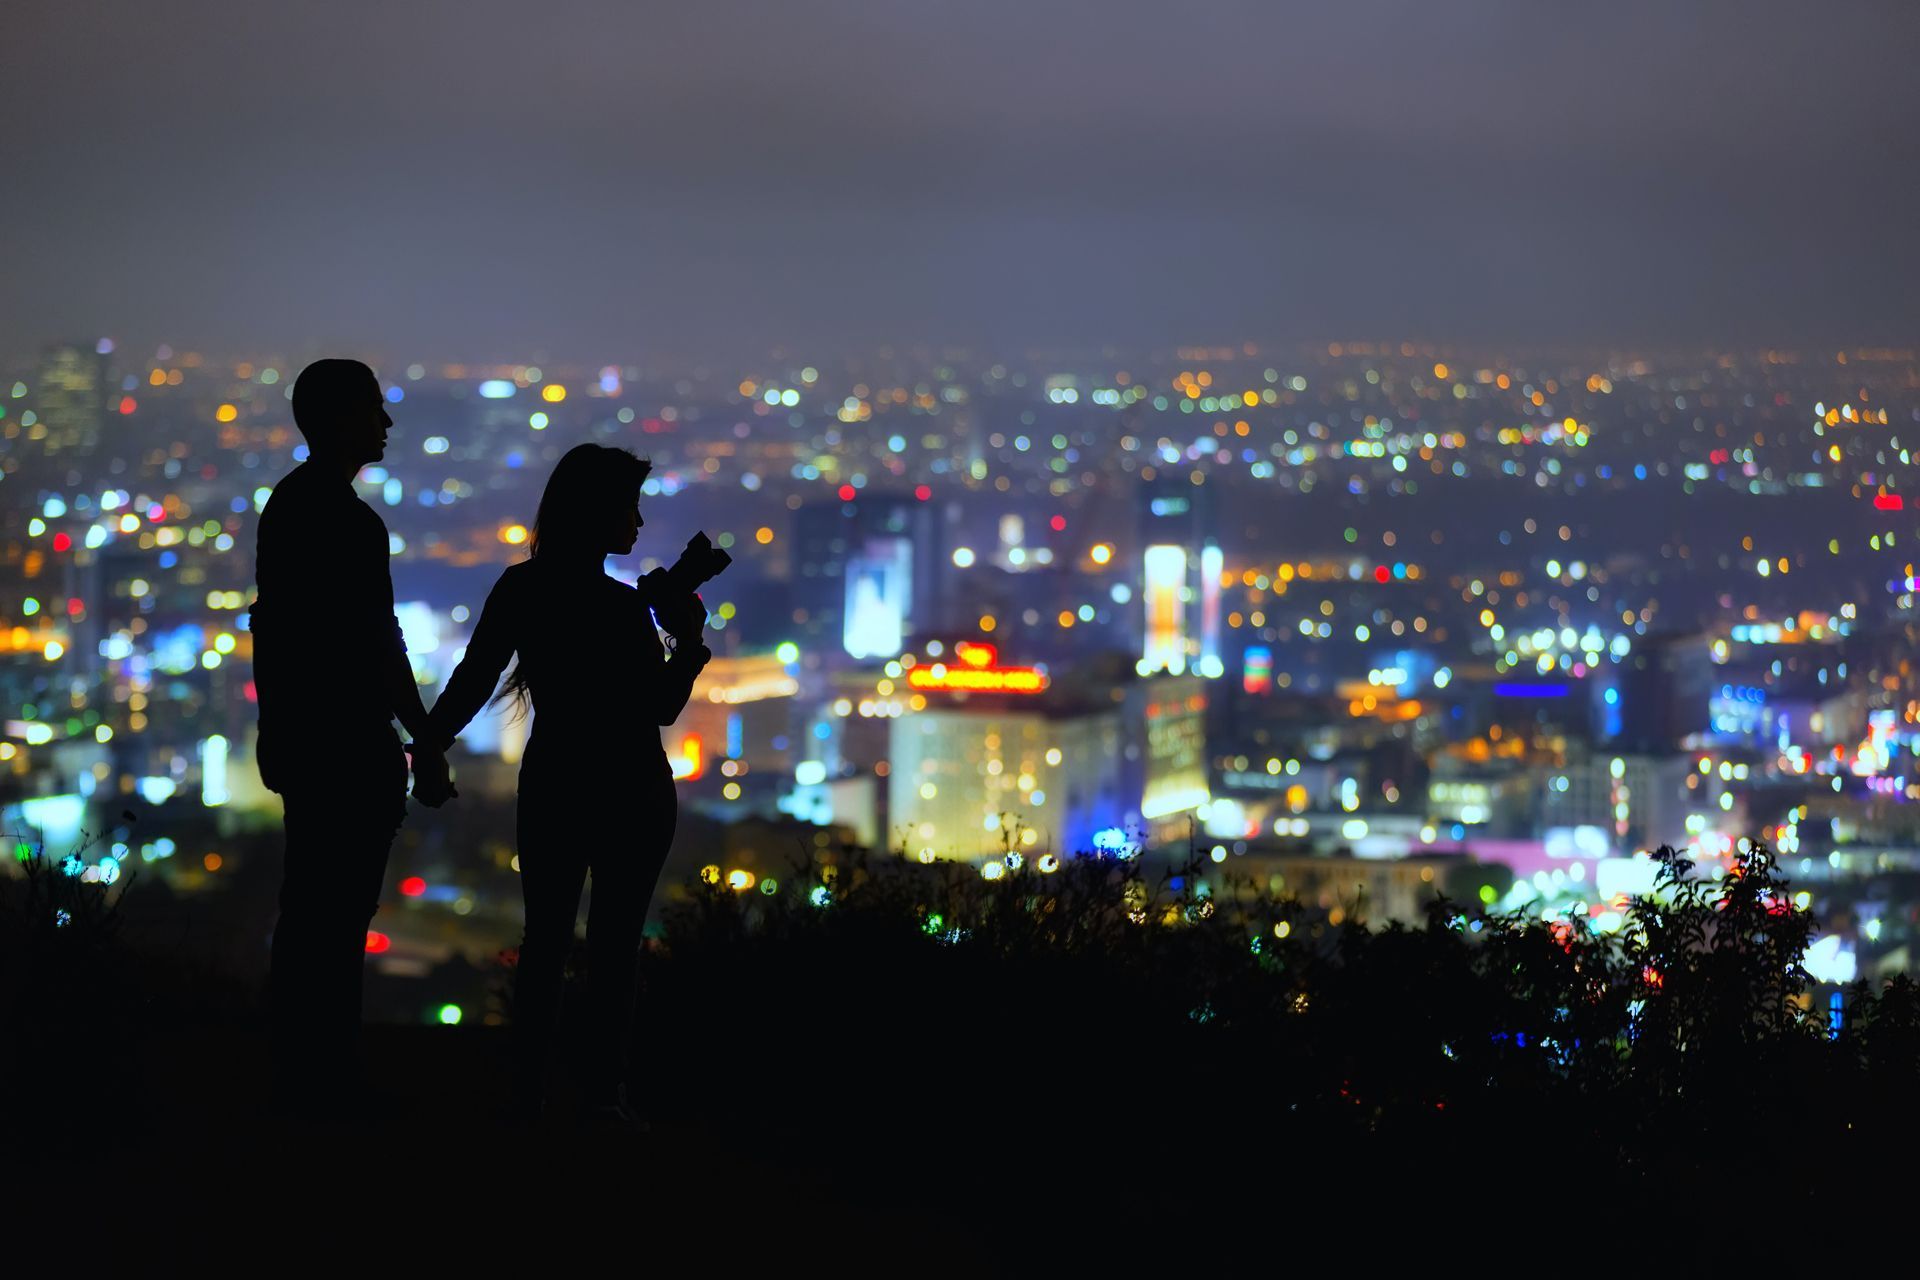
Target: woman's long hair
583 495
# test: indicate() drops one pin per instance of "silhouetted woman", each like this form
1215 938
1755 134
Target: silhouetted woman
596 791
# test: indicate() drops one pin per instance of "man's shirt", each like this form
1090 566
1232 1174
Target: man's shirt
326 642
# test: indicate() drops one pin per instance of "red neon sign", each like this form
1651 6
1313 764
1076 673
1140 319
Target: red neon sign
976 672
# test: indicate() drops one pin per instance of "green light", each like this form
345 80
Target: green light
1488 894
450 1015
788 652
23 852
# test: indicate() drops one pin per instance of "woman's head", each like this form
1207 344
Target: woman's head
591 506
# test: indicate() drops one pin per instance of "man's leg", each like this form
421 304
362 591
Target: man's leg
336 858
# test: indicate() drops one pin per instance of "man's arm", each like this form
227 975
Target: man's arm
403 692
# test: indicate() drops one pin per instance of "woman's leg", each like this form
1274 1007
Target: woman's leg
625 869
553 869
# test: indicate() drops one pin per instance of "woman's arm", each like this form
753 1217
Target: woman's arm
495 639
672 681
669 683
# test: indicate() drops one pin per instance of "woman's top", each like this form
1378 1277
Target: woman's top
599 678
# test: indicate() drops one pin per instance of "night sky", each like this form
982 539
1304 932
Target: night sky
624 180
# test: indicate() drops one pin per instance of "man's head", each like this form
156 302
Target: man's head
339 409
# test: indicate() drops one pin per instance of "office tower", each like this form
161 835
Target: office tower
899 530
71 395
1180 569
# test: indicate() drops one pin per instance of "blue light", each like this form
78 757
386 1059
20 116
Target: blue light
395 395
1612 697
497 389
1530 690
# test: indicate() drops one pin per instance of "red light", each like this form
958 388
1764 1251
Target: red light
1889 502
126 404
61 542
692 762
377 942
846 493
413 886
76 607
1381 573
1059 524
923 492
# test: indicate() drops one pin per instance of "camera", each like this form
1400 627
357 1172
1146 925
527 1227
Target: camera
673 593
698 565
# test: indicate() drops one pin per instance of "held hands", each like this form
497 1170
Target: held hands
432 776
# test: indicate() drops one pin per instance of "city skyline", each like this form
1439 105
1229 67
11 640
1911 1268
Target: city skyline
1359 610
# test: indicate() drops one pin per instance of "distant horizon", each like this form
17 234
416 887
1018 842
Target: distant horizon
297 355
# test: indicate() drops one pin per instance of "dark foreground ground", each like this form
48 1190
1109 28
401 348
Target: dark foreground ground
193 1175
428 1172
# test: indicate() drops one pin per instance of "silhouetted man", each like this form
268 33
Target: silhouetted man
331 671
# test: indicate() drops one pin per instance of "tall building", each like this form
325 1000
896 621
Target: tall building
1100 751
878 553
1180 569
1166 757
71 395
1666 684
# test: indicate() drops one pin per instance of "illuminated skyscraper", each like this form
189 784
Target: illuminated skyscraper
879 593
830 535
1105 750
1163 593
1180 570
71 395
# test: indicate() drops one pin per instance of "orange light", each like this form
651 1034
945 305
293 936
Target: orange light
688 763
